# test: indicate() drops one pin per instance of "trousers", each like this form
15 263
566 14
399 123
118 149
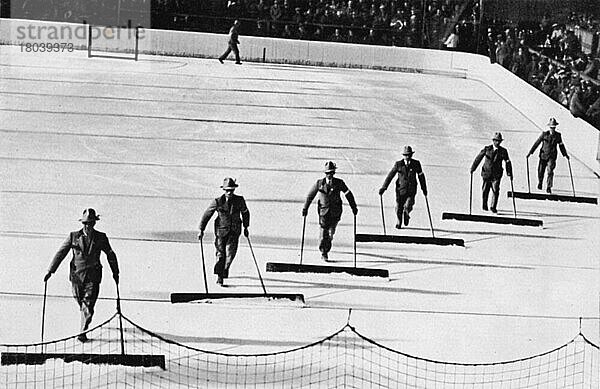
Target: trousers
543 164
86 295
226 250
494 185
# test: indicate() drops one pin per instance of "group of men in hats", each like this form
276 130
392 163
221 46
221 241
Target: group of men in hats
233 214
493 155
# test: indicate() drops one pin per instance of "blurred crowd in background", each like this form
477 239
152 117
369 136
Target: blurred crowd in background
555 49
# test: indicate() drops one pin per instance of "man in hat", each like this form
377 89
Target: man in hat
329 205
231 214
548 153
233 43
407 170
86 270
492 171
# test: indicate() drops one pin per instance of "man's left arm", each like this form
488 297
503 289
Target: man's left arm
349 197
422 180
509 171
112 258
245 216
563 149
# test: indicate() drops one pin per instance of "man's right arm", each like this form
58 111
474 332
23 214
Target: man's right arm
309 198
388 178
58 257
477 160
207 215
535 145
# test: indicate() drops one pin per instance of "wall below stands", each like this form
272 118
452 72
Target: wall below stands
582 139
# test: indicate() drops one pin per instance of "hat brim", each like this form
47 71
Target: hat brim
329 171
89 220
411 153
229 187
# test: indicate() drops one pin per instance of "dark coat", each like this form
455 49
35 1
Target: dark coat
492 163
406 184
229 218
549 142
234 36
85 264
329 201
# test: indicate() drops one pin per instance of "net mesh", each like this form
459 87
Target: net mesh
345 359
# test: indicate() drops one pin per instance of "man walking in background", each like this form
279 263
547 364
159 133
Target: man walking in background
492 171
548 153
233 44
231 214
86 270
407 170
329 205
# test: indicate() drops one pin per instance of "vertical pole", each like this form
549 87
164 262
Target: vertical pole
423 23
354 241
471 194
137 37
302 244
480 25
203 266
44 311
119 13
512 186
382 214
429 214
571 174
257 268
120 319
528 183
89 41
264 54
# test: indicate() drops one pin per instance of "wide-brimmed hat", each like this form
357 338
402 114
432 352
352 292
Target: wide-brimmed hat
89 214
229 183
407 150
330 167
498 137
552 122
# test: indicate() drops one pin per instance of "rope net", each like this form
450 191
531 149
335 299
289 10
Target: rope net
345 359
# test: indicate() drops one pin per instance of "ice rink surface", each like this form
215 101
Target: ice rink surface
148 143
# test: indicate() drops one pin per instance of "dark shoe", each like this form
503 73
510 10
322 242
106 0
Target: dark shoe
494 210
220 60
485 207
398 225
325 257
238 63
82 338
548 190
540 186
406 218
220 280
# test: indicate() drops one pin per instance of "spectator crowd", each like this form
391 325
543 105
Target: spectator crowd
548 54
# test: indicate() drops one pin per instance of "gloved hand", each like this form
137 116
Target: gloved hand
304 211
425 192
201 234
528 155
567 156
116 278
381 191
246 233
47 276
355 211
